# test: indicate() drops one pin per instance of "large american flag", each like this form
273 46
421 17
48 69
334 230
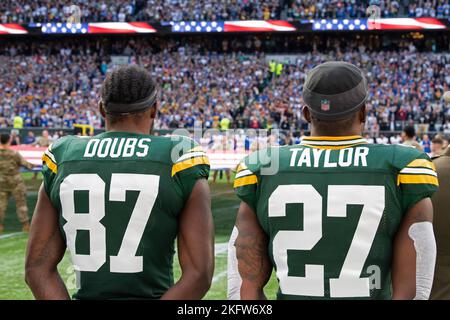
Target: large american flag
377 24
99 28
232 26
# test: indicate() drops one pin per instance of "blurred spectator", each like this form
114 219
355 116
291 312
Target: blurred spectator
426 144
15 137
56 84
18 122
409 138
44 140
30 138
437 147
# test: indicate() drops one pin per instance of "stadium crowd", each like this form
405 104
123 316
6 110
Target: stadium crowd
26 11
57 84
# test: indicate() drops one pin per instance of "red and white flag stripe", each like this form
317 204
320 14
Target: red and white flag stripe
120 27
258 25
12 28
405 24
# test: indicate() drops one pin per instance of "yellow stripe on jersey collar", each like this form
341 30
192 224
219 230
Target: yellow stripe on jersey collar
333 147
189 163
333 143
329 138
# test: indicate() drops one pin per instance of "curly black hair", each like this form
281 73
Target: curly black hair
127 84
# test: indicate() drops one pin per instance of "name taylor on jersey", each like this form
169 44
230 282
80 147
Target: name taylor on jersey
312 158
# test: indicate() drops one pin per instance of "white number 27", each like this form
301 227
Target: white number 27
126 260
349 283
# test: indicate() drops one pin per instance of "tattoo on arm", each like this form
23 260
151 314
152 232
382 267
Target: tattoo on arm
252 250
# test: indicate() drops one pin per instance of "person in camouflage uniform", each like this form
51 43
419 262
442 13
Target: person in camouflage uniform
11 182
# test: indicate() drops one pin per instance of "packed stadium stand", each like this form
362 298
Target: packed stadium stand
26 11
252 81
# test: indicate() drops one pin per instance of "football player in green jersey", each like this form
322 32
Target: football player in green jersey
341 218
118 201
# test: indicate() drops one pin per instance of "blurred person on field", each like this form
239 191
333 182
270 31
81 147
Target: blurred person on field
437 147
11 182
409 138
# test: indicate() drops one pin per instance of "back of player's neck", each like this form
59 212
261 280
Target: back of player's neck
130 127
343 133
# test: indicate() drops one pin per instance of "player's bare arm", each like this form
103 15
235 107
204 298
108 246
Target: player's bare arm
251 251
414 254
195 246
45 250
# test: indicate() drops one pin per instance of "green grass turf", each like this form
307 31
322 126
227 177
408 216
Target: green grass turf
12 247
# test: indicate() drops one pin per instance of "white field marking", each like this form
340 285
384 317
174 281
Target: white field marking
11 235
220 248
219 276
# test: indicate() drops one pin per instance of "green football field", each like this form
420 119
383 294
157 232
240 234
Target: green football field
13 244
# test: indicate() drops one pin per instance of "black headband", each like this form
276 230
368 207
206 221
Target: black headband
122 109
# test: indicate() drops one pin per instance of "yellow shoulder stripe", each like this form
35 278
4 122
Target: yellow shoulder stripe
422 163
244 181
417 179
50 164
189 163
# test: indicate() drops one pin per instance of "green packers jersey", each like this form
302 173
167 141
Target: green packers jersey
331 207
119 196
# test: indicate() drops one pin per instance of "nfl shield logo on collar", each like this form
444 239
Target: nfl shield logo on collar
325 105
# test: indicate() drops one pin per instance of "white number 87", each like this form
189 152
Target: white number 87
126 260
349 283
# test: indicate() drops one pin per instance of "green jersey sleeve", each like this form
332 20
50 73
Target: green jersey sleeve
50 163
417 177
190 163
246 181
